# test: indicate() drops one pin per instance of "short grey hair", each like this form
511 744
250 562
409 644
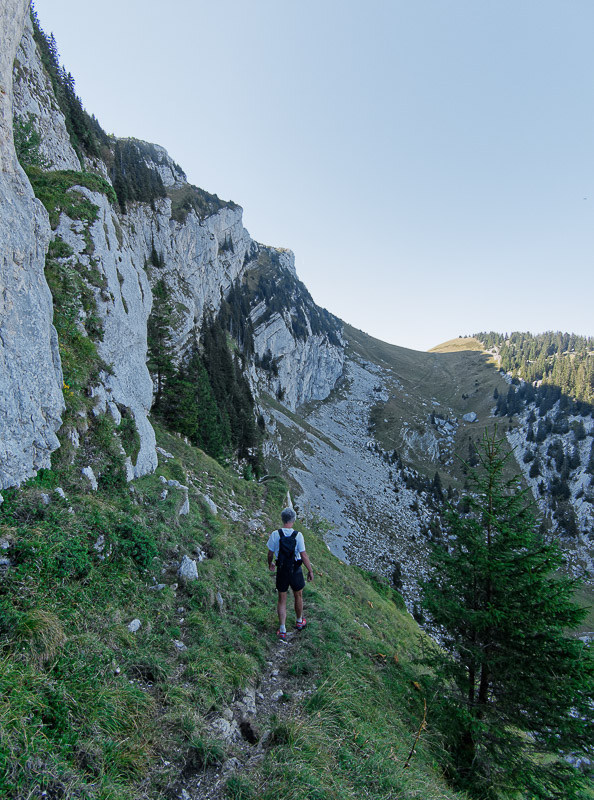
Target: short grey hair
288 515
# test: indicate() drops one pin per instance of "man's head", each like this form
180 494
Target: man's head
288 516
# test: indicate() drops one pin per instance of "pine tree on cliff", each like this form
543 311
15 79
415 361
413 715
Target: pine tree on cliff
515 692
160 360
189 407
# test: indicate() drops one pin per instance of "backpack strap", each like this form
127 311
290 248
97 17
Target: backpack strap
298 559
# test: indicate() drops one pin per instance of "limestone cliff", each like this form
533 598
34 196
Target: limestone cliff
34 97
183 237
30 373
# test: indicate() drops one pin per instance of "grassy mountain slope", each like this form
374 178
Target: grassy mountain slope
459 344
90 709
451 380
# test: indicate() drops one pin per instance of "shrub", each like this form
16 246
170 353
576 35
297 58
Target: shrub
136 542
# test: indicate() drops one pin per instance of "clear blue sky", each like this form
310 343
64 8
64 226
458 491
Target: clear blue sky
430 162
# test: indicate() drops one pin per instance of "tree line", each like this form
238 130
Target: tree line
86 134
564 360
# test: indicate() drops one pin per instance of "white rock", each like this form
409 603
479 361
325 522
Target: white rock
59 491
30 370
200 554
470 417
164 453
135 625
164 494
248 699
179 645
211 504
90 476
226 729
187 570
277 695
231 765
185 509
33 95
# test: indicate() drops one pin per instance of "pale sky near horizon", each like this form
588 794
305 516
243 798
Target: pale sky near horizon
430 162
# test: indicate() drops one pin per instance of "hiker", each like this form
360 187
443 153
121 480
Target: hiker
288 548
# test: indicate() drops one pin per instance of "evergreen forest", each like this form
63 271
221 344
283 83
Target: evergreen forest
563 360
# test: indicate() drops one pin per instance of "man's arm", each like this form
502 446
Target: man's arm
271 565
305 559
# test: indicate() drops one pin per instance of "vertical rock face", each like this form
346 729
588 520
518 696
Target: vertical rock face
123 303
34 98
31 399
302 342
192 241
201 257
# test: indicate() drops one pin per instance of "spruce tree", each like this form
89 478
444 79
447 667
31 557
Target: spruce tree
514 688
189 407
160 348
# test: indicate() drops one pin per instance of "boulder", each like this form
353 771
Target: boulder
187 570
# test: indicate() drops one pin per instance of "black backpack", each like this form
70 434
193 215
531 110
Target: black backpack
286 551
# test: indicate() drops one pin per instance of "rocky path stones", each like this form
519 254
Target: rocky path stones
245 725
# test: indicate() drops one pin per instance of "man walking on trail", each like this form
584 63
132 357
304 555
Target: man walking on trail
288 548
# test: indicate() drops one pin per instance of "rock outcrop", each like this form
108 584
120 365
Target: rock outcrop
306 366
123 304
31 399
201 250
34 99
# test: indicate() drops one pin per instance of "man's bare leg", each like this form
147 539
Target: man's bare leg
282 608
298 604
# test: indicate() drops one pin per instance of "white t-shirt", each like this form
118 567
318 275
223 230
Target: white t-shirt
274 539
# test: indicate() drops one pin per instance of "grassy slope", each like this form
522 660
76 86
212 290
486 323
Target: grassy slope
461 380
458 345
89 709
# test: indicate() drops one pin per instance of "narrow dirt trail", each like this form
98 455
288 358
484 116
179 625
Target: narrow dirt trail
246 723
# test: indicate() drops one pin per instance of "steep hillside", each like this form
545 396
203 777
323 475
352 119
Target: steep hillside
398 433
365 458
138 655
139 659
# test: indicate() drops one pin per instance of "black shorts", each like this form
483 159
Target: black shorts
293 578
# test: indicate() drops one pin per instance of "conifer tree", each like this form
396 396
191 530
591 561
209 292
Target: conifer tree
190 408
515 692
160 358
